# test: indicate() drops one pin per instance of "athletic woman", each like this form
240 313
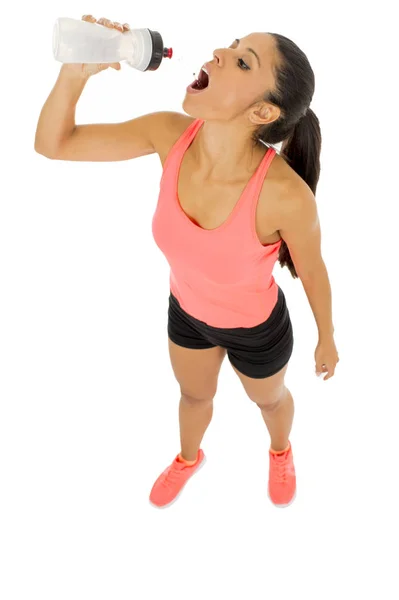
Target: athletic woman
230 206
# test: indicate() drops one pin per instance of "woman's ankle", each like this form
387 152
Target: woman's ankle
186 461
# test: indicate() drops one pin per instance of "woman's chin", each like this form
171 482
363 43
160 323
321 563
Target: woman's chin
194 110
192 99
190 106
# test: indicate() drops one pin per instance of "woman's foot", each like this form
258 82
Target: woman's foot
171 481
282 479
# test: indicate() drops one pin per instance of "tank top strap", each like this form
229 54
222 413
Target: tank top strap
246 207
262 170
255 185
180 146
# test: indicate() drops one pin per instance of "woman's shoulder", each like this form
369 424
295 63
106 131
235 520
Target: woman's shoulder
283 176
280 190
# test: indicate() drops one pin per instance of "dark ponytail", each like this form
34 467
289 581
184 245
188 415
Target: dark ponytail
297 127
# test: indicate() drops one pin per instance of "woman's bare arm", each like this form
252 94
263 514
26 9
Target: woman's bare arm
59 138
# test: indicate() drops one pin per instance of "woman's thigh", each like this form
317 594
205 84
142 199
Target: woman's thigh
196 370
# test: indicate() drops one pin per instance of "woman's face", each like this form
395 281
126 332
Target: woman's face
238 77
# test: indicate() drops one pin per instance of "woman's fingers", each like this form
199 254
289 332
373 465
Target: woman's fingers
89 18
105 23
118 26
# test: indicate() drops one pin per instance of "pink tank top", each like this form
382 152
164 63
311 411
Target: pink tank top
221 276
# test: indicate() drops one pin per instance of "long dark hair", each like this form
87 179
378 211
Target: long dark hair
297 125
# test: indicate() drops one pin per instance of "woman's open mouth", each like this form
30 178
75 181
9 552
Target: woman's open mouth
201 83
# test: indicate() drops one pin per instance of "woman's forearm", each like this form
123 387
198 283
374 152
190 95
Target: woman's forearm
318 291
57 118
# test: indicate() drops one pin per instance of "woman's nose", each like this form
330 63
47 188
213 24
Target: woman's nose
217 56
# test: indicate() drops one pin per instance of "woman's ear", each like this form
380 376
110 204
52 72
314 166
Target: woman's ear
264 114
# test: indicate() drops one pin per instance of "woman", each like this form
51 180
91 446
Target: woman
222 224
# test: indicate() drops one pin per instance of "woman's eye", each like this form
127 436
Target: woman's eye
242 64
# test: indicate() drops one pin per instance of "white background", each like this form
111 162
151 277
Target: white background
89 403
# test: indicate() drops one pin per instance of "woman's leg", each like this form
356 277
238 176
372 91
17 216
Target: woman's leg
276 405
197 373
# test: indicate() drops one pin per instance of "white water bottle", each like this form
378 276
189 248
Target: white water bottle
76 41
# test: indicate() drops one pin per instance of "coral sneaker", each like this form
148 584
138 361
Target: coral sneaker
171 481
282 479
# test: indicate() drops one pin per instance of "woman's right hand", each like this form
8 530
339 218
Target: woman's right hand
86 70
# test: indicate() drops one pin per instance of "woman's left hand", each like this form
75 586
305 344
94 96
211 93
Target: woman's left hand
326 357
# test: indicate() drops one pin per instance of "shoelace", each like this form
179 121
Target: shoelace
172 476
280 468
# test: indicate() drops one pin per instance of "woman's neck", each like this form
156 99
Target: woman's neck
225 151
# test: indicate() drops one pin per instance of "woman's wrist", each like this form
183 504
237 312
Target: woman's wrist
74 73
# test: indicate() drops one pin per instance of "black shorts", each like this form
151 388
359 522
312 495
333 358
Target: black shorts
258 352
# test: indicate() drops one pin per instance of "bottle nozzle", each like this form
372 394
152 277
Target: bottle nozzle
167 52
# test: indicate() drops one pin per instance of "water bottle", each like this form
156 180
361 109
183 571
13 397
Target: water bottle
76 41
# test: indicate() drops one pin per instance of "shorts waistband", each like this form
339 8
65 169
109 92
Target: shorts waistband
277 312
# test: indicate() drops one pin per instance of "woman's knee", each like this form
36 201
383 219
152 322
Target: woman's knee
273 400
198 397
